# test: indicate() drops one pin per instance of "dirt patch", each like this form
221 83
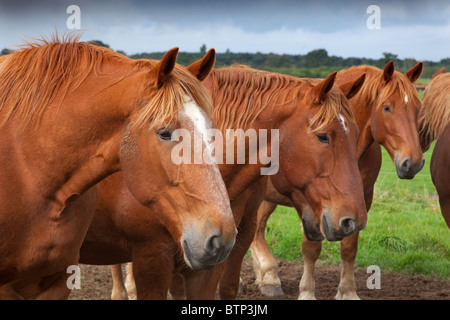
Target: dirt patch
96 284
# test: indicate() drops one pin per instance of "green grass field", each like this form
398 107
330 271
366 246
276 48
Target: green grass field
405 232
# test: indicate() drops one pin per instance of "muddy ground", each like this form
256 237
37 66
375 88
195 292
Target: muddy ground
96 284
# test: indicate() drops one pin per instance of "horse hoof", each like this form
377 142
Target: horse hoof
271 291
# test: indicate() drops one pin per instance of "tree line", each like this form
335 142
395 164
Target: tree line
315 64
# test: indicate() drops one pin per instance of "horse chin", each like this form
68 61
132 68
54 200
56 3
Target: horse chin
406 169
193 263
329 231
312 231
405 176
199 261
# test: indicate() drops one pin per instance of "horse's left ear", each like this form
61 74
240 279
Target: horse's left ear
352 87
165 66
415 72
323 87
388 71
201 68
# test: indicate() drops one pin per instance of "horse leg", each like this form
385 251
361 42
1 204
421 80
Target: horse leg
177 291
349 245
347 285
202 285
152 272
119 292
311 251
264 264
130 284
349 248
229 283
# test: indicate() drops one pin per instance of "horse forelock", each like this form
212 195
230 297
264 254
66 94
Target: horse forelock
335 107
165 103
374 81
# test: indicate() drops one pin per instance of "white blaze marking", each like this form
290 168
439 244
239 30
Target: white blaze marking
216 185
341 118
192 111
406 98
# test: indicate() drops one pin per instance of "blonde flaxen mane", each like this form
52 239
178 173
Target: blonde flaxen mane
240 95
435 113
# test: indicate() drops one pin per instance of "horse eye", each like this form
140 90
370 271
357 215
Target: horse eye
164 134
386 109
323 138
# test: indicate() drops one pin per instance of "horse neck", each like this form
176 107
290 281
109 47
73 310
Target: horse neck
238 177
73 148
362 108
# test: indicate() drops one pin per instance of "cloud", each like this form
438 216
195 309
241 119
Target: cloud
410 29
419 42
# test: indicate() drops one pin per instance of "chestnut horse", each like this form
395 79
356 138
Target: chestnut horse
72 114
434 120
317 134
386 110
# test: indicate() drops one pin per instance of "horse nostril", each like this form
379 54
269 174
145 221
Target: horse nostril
406 165
347 225
214 245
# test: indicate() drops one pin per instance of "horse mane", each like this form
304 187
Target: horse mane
435 112
34 75
241 93
374 80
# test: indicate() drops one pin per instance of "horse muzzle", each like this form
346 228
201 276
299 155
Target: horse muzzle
406 169
205 254
346 227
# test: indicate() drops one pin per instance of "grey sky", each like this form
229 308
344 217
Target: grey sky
416 29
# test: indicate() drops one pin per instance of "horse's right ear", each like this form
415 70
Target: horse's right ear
165 66
351 88
440 71
323 87
202 68
388 71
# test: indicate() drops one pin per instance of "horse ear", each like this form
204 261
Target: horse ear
165 66
323 87
440 71
352 87
201 68
415 72
388 71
